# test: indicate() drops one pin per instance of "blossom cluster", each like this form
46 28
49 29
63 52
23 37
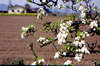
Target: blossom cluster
94 25
82 9
43 41
83 14
79 42
38 62
68 62
26 31
81 35
58 54
41 13
64 32
80 51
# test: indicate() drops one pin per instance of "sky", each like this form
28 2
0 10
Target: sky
23 2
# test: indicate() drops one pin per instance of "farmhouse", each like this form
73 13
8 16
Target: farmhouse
17 9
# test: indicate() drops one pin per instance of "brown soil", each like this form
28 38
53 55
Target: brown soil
12 46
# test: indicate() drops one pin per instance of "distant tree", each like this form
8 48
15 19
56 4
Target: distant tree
28 8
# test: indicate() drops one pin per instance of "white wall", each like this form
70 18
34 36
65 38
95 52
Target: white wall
16 10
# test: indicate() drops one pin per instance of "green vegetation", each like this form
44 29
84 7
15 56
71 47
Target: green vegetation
22 14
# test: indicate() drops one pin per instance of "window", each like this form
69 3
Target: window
12 10
18 10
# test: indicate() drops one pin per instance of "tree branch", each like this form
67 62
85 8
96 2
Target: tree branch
46 4
36 3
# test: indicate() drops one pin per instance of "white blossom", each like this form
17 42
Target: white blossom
39 16
24 28
85 50
34 63
64 53
42 11
41 39
63 28
68 62
63 40
78 57
83 21
69 23
47 41
64 35
61 37
41 60
59 42
61 25
77 38
93 24
57 54
84 34
76 43
64 32
83 42
23 35
79 43
78 50
87 34
81 8
44 1
94 29
43 42
82 15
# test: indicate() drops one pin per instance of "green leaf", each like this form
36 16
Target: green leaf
29 1
51 27
39 58
67 6
51 65
31 27
79 1
31 45
73 45
52 39
72 29
47 29
61 51
98 29
40 16
78 33
70 17
66 47
71 64
56 24
46 23
60 6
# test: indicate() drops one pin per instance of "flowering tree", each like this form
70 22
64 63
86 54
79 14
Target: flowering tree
64 29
